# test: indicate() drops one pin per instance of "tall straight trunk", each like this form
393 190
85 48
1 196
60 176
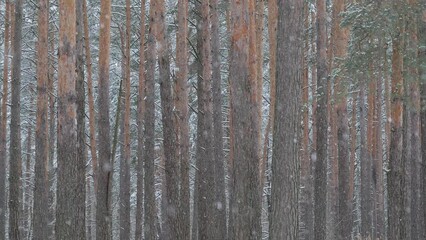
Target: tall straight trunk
367 160
395 175
104 174
305 209
70 213
205 158
15 163
81 119
91 101
150 232
422 74
344 211
285 162
259 17
322 125
332 163
41 186
414 156
246 198
366 204
353 141
218 153
169 138
197 180
125 163
140 123
181 102
3 122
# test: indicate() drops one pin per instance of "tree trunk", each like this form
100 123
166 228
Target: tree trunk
413 105
15 163
366 167
181 102
70 213
169 138
149 132
81 119
140 123
104 174
246 201
395 175
125 163
41 188
344 211
91 101
422 74
285 162
322 125
3 122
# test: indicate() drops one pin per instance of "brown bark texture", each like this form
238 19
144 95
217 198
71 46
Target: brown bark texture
41 184
322 125
15 162
125 160
104 173
396 173
285 151
246 198
70 211
150 231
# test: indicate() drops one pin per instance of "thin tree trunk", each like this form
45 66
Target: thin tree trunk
415 137
395 175
125 163
104 173
205 158
353 132
422 74
366 204
41 188
81 116
140 123
70 213
306 223
285 160
150 230
344 211
322 125
3 122
15 162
